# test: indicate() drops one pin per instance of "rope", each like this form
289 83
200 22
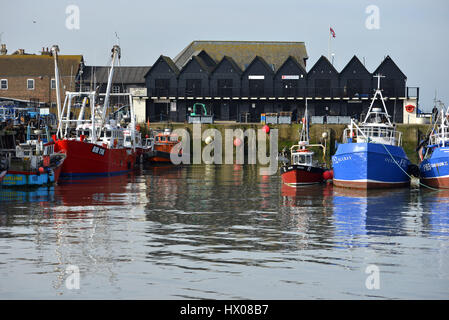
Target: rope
421 184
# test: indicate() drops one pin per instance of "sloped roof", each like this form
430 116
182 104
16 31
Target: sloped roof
201 63
169 62
323 59
243 52
293 59
388 60
125 75
38 65
231 61
352 61
264 63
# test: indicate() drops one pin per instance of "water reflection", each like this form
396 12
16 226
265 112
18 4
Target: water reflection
206 231
41 194
436 203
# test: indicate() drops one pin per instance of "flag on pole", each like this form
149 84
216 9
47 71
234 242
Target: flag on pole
332 32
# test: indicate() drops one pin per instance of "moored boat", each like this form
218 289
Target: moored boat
371 155
163 146
97 147
434 167
303 169
34 164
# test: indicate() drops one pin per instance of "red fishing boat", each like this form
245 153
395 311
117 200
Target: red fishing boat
96 148
303 169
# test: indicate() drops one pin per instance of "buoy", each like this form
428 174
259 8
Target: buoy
208 140
237 142
41 170
266 128
328 174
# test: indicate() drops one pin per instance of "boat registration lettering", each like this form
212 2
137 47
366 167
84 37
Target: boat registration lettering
98 150
12 178
403 163
428 166
341 159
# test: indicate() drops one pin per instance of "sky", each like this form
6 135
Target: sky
415 34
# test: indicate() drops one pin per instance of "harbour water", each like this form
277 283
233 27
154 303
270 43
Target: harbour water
221 232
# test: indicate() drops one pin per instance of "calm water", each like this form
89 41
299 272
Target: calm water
221 232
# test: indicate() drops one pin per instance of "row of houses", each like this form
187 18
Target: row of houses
235 85
235 80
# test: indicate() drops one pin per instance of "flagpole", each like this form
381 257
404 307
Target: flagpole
329 45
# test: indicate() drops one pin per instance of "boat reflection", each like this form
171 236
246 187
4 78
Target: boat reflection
41 195
436 205
358 213
97 191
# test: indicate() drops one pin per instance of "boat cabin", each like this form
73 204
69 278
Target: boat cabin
302 157
166 137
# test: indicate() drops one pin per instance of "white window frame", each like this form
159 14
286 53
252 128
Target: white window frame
53 80
115 89
34 86
1 81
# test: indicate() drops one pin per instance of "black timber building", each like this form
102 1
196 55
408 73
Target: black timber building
239 80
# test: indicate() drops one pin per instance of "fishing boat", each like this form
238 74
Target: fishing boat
34 164
163 146
434 167
96 147
371 155
303 169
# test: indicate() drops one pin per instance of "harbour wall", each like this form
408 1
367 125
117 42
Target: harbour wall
289 134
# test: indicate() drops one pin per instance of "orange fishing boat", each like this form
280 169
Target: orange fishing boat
163 146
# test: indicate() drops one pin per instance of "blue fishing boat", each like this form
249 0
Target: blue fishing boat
34 164
371 155
434 167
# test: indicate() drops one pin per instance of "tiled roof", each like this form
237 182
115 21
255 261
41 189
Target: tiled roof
243 52
125 75
38 65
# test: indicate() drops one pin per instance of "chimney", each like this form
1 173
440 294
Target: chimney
3 50
45 52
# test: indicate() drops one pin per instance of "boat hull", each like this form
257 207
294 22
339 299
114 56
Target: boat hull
32 178
434 171
370 166
294 175
88 159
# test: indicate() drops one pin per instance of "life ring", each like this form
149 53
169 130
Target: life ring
410 108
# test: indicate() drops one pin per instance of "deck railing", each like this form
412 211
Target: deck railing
372 134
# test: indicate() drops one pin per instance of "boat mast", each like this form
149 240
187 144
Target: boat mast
378 92
304 136
55 50
115 53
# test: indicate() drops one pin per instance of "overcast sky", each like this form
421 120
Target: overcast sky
414 33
